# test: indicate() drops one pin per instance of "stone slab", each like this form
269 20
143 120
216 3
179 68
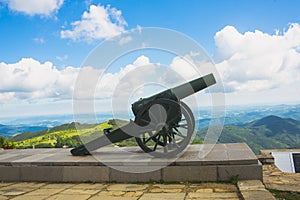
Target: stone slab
189 173
206 162
241 172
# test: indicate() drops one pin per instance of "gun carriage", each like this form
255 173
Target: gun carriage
163 124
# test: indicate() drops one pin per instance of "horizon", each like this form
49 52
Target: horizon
26 120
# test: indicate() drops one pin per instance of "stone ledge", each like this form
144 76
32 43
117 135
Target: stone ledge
57 165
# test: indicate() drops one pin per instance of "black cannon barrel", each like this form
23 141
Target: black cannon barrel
193 86
177 93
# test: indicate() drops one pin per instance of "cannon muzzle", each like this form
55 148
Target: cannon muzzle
193 86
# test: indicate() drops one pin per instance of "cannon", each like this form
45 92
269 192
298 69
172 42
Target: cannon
163 124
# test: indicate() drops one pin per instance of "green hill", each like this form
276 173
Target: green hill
270 132
266 133
70 135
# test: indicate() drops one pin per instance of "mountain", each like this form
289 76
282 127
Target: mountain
240 115
271 132
9 131
277 125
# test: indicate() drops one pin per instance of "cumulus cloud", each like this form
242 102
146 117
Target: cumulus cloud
30 79
258 61
122 82
98 22
35 7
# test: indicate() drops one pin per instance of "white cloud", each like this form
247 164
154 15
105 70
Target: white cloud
35 7
257 61
62 58
191 66
30 79
122 82
98 23
39 40
125 40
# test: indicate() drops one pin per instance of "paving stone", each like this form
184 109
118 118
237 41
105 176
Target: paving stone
5 184
79 191
163 196
14 193
213 198
116 193
259 194
96 186
224 186
106 197
195 195
277 180
133 194
46 192
59 185
159 190
127 187
13 190
69 197
283 187
205 190
247 185
223 190
27 197
28 185
169 186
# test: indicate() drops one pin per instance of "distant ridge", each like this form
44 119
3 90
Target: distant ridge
271 132
278 125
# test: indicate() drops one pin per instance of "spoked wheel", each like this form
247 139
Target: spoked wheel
167 127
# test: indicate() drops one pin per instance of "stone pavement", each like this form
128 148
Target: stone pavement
82 191
282 181
253 190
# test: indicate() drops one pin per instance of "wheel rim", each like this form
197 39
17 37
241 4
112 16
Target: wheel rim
169 139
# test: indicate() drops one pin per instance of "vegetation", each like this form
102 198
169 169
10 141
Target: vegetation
70 135
6 143
267 133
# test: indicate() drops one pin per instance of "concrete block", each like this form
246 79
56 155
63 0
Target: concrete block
244 172
9 173
41 173
189 173
122 174
85 173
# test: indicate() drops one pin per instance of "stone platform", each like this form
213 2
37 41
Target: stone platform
220 162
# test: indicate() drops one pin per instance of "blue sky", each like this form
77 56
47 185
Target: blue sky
42 34
198 19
